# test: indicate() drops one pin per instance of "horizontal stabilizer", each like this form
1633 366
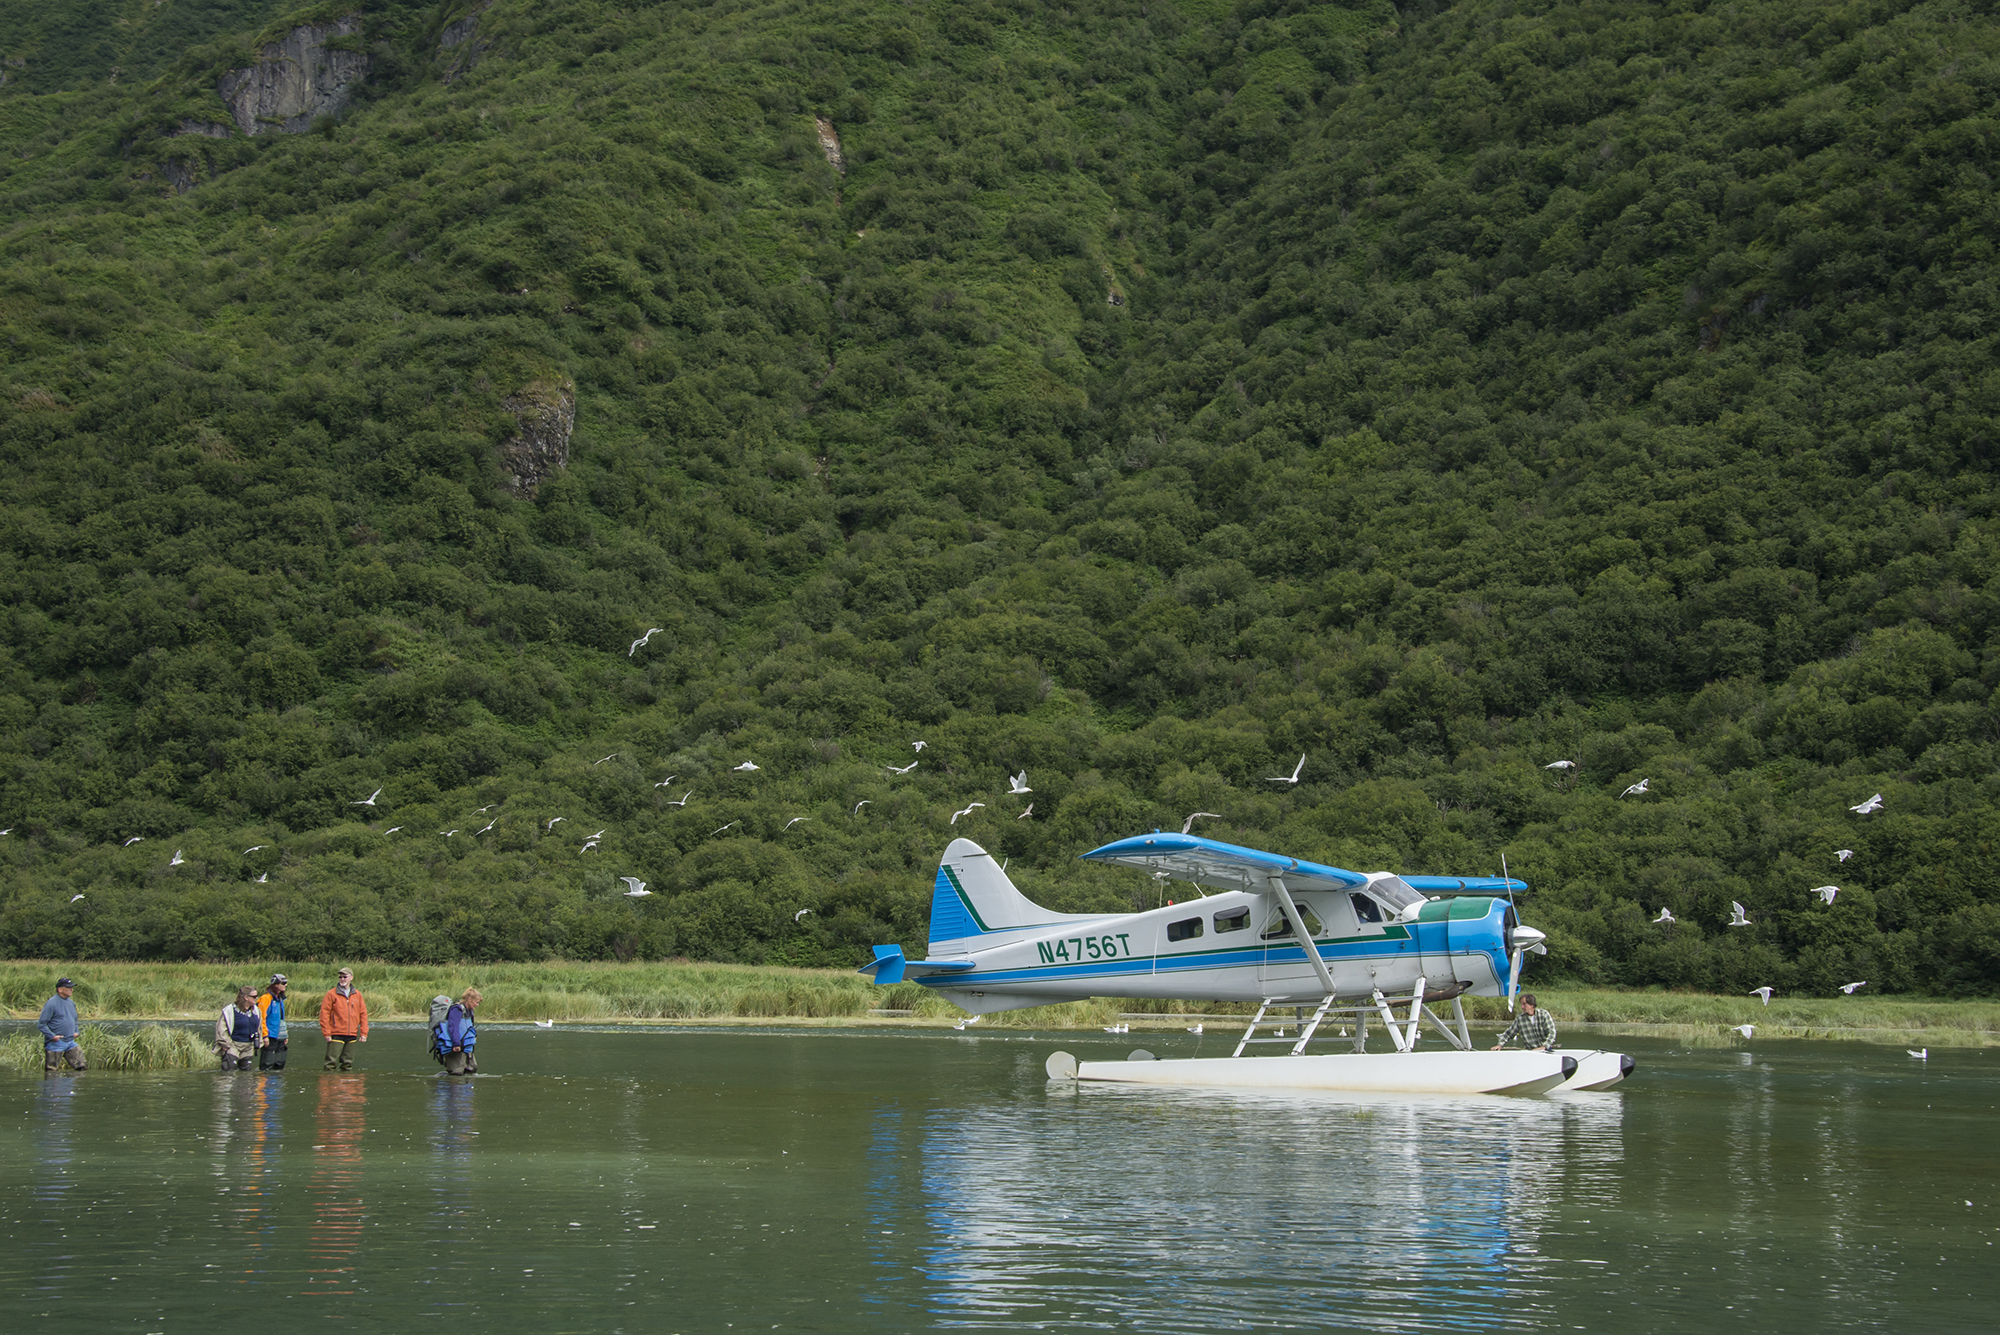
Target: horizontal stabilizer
889 966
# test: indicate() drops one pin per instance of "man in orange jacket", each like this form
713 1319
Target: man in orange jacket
343 1021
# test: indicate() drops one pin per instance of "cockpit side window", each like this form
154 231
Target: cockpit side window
1365 908
1235 921
1395 893
1185 930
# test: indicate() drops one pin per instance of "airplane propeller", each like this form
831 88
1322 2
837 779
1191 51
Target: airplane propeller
1526 941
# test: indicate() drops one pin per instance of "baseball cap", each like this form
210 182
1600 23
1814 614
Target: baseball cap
279 978
65 982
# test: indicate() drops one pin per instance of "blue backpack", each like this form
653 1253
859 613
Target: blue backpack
441 1009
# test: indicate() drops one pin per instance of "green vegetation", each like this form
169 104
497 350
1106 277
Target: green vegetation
149 1047
1161 391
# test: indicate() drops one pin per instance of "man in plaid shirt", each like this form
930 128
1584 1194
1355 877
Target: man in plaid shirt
1534 1027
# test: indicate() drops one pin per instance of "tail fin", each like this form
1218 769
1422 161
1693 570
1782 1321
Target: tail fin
973 898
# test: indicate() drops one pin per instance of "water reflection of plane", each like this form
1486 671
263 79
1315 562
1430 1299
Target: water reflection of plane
1201 1210
55 1177
338 1214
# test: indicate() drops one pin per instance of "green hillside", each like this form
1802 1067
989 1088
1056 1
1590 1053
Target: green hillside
1151 393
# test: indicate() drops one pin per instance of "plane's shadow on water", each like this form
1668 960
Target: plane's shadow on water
1209 1210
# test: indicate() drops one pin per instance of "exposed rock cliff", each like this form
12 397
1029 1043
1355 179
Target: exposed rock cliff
546 410
829 143
460 46
296 79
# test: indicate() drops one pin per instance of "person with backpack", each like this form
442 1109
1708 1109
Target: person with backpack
453 1034
271 1008
343 1021
239 1030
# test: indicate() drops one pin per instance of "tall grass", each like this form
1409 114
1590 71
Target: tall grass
150 1047
611 993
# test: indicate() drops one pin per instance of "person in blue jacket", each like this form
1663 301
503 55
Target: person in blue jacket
453 1039
60 1028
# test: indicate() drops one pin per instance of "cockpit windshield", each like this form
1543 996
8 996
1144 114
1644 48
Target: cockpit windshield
1395 892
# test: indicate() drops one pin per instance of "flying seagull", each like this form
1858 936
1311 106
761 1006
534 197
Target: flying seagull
177 859
391 830
593 838
1560 764
1018 784
1764 992
447 833
684 799
1851 988
1872 805
747 767
1028 813
1188 824
1666 914
587 848
1744 1029
906 769
794 821
552 824
967 812
800 914
920 745
495 821
255 848
265 879
1293 777
1825 892
367 801
613 756
640 643
488 807
713 833
634 887
1636 790
10 830
866 801
1843 853
134 839
1739 918
74 898
664 782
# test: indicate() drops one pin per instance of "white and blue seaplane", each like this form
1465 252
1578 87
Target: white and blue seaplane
1308 943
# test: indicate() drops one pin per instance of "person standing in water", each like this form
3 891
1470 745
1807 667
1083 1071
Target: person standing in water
456 1036
343 1020
60 1027
239 1030
271 1007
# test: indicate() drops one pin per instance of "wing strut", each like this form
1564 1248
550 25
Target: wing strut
1304 938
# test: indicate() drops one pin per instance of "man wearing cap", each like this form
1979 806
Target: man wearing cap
1534 1027
343 1021
271 1007
60 1027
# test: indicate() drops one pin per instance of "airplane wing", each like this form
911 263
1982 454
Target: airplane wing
1187 857
1466 885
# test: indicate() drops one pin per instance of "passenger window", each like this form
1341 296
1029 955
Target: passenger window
1366 909
1184 931
1281 926
1232 922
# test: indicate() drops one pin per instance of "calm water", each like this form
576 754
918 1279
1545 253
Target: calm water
861 1181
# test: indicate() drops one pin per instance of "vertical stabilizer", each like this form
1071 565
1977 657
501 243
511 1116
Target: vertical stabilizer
973 902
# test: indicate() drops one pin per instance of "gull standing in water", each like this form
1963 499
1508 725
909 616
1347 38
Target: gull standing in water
1921 1054
545 1024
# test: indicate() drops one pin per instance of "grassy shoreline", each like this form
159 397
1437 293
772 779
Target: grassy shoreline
673 993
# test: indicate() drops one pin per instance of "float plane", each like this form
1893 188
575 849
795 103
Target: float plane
1287 934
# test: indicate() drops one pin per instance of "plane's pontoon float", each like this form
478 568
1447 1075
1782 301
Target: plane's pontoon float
1384 948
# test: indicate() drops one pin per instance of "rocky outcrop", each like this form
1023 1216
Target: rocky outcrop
296 80
206 129
829 143
459 45
546 412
